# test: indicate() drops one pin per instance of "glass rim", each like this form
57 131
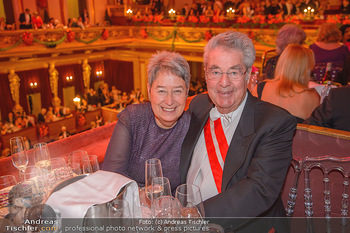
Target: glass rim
40 144
9 181
152 161
16 138
194 188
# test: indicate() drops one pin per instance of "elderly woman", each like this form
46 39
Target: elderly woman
288 34
289 89
155 129
329 50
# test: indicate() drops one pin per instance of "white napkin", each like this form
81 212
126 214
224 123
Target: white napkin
97 188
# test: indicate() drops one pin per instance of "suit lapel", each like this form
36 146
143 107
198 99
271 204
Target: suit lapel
237 151
196 125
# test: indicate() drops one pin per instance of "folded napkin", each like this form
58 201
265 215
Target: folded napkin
100 187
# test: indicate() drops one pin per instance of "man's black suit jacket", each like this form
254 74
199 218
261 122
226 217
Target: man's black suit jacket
334 112
256 162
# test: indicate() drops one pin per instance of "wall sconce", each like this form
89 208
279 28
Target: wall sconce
129 13
99 73
33 85
172 13
69 78
230 13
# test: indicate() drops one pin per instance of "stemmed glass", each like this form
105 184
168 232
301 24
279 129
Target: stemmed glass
19 155
190 199
153 169
160 187
42 157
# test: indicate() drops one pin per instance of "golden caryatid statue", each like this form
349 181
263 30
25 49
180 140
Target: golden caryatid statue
86 74
14 86
53 79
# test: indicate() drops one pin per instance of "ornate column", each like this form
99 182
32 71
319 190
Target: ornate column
86 74
56 102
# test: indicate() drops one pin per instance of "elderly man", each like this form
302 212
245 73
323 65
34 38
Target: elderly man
238 148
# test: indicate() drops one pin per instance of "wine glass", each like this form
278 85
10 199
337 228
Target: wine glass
19 155
6 183
190 199
153 169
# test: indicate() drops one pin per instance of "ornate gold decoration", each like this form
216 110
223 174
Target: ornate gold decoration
14 86
53 79
86 73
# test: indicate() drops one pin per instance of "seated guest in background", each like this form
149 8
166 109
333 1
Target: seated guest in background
345 7
329 49
10 118
37 21
240 170
288 34
334 112
345 31
41 116
92 97
155 129
64 133
289 89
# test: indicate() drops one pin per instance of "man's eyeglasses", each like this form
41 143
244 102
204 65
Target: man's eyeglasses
233 74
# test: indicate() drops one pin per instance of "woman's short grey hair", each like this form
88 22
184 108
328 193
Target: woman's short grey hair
289 34
232 41
172 62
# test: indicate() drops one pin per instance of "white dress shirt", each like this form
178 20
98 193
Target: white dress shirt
200 172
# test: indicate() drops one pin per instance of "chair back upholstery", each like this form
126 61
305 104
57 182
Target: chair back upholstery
313 141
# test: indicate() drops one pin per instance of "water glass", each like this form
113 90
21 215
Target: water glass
190 199
90 164
153 169
75 169
6 184
77 157
60 169
119 209
165 207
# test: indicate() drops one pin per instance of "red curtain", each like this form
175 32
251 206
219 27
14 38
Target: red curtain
6 103
119 74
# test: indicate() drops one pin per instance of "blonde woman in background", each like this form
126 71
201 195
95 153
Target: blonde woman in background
289 89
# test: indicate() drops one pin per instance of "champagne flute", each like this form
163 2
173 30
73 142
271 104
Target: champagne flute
190 199
42 157
160 187
153 169
19 155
